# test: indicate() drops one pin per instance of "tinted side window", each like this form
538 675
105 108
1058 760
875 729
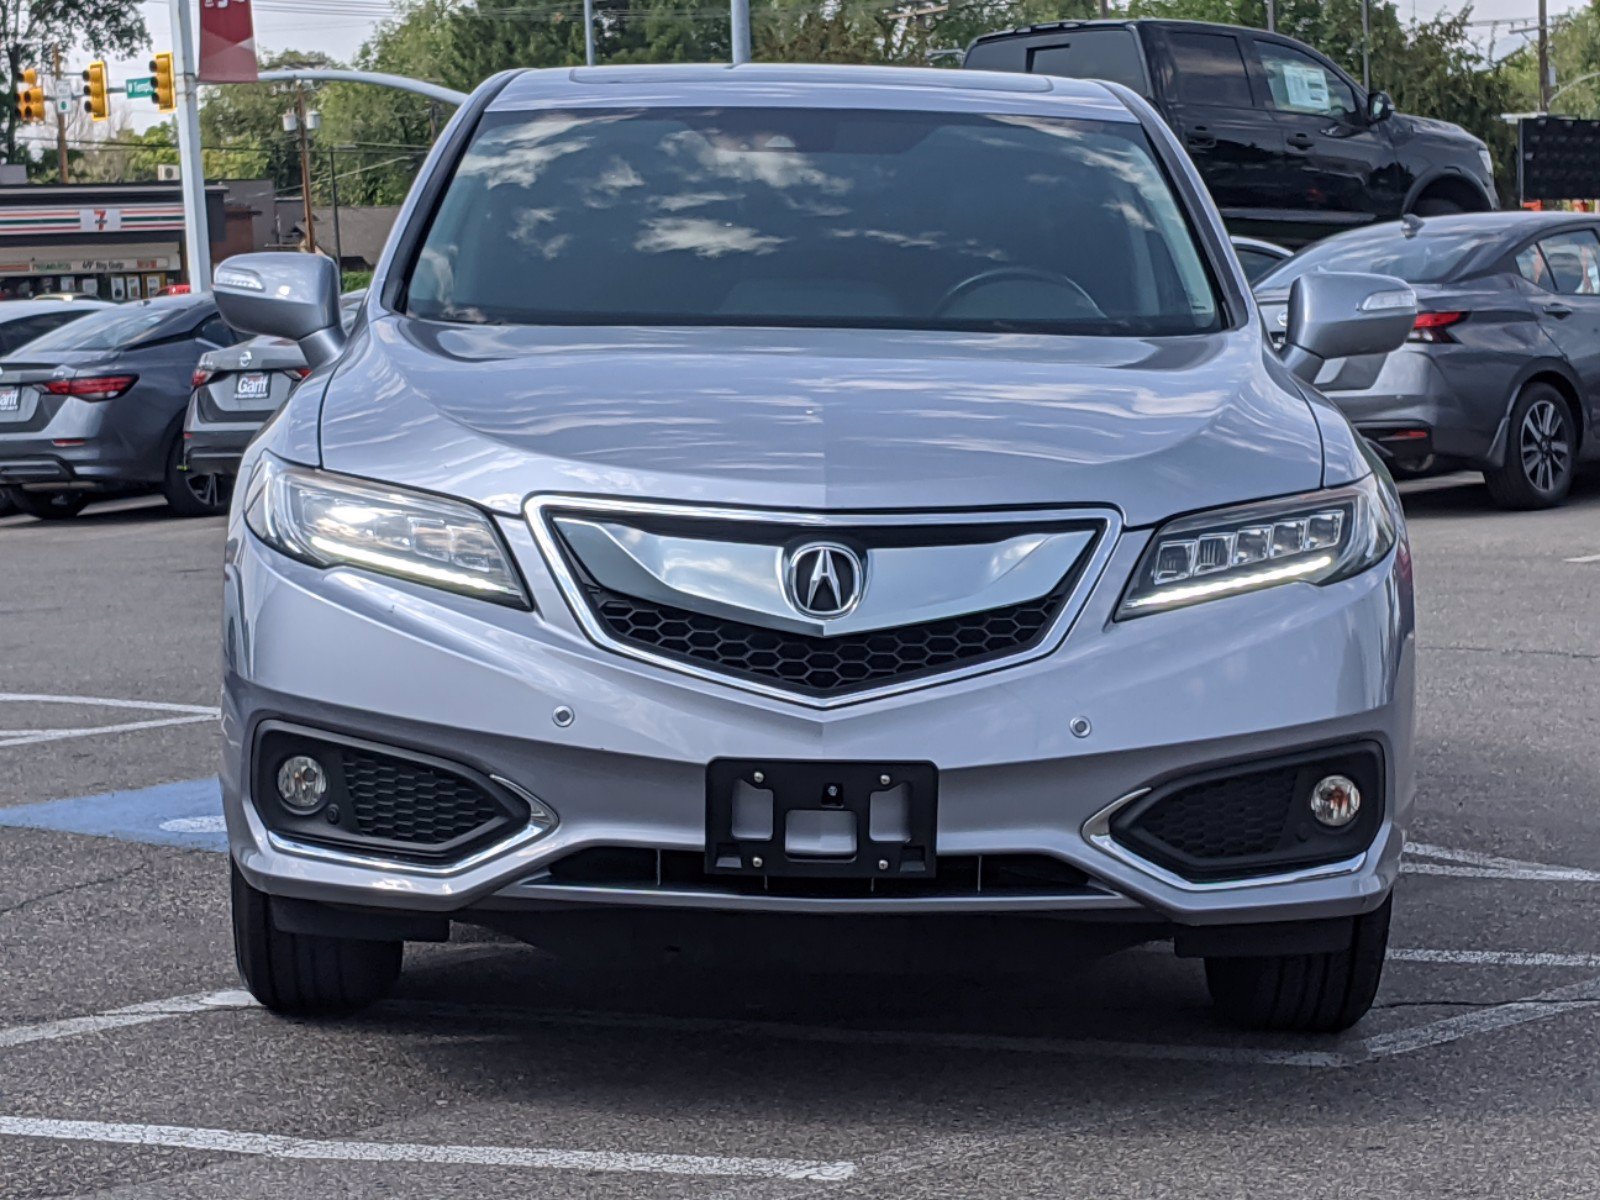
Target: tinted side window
1092 54
1532 267
215 330
1301 84
1574 260
1210 69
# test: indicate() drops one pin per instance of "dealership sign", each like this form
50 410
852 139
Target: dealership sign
227 42
125 218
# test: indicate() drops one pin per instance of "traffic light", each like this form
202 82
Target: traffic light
166 96
96 94
30 98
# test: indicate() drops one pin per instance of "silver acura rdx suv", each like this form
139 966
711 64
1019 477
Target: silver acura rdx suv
811 494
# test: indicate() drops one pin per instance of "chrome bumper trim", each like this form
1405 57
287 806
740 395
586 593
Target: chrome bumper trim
1097 831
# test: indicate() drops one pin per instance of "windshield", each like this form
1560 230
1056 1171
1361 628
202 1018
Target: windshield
787 217
105 329
1425 258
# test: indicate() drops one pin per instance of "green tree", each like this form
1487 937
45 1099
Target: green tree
241 124
29 28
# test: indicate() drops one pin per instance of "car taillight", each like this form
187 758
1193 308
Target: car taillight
1434 327
201 377
298 372
92 387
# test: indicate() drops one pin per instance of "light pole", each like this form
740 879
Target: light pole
739 28
192 171
588 32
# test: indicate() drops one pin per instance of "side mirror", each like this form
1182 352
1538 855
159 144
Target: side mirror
284 294
1380 107
1337 315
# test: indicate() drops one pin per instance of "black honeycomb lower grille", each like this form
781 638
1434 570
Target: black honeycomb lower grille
1253 820
401 801
1228 818
826 666
383 800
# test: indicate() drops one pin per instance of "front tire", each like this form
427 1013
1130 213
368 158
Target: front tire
1541 450
1304 993
305 975
192 495
50 506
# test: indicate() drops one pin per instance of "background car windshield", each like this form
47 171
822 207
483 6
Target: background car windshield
108 329
821 218
1425 258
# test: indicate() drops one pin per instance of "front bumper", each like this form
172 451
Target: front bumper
1235 680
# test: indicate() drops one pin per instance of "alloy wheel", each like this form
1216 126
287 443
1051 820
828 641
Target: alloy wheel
1546 450
209 490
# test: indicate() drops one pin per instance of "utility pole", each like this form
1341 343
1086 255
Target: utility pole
333 188
305 165
1544 56
196 229
1272 16
1366 45
63 91
588 32
739 30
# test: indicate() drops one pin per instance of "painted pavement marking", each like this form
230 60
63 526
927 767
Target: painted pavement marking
186 714
269 1145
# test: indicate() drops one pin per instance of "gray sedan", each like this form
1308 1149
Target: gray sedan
1502 371
98 406
237 388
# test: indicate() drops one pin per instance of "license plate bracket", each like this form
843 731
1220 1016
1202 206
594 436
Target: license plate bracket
821 820
252 385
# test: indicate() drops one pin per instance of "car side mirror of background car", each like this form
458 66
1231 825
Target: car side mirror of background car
1380 107
1335 314
284 294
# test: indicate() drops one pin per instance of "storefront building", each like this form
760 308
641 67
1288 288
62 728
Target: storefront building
114 241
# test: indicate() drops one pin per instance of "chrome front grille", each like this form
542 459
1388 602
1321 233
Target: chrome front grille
713 593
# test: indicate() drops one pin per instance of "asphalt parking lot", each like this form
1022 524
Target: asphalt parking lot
132 1066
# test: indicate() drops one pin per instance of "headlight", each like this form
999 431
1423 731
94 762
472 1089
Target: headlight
1487 159
1319 537
334 521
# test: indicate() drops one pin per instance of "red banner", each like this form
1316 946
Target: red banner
227 42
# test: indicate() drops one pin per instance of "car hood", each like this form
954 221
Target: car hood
818 419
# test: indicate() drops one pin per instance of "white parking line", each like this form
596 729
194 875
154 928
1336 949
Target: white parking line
1585 995
1585 558
1476 865
1495 958
119 1018
268 1145
192 714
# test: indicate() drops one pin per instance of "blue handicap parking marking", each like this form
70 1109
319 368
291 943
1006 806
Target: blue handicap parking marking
187 814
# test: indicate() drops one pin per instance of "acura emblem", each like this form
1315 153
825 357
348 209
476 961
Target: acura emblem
824 579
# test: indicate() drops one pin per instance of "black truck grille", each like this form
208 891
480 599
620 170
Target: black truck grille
826 666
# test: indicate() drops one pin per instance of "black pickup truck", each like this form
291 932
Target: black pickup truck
1290 146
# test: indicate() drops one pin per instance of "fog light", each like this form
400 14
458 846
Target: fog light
1335 801
302 783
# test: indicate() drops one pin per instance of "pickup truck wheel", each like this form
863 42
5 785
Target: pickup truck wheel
49 506
1304 993
1541 447
298 974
